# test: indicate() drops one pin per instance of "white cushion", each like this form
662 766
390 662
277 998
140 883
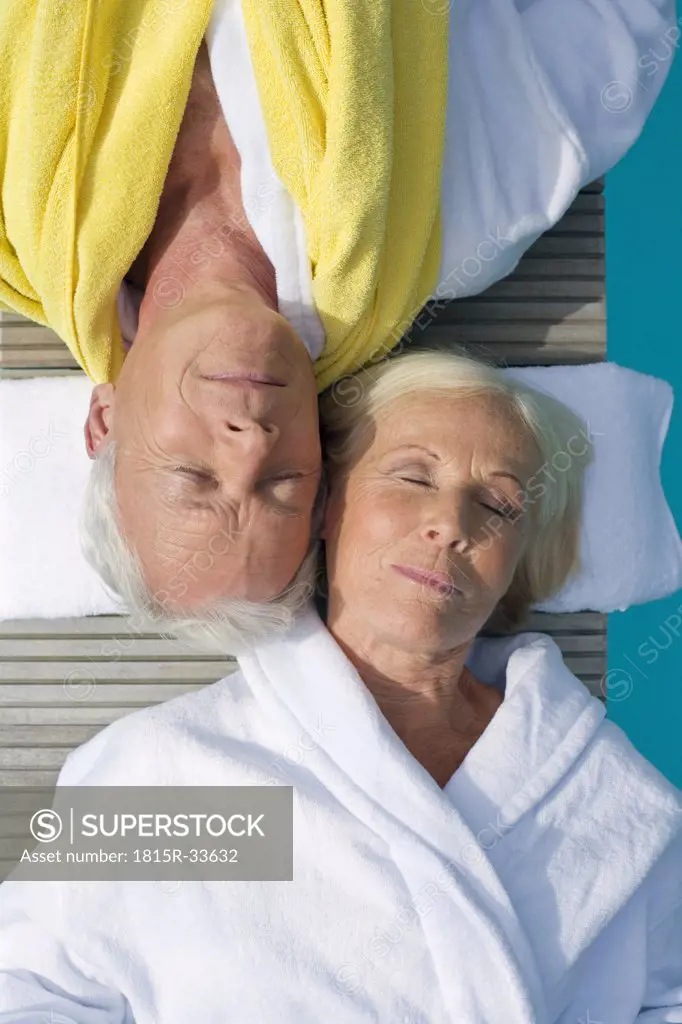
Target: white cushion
630 547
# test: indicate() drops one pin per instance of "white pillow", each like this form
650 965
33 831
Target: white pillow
630 547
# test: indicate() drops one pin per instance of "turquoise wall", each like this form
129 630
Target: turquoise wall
644 297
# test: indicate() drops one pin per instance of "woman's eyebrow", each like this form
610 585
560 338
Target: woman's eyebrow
508 473
417 447
427 451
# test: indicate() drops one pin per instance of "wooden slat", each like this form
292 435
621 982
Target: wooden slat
105 626
123 648
491 309
28 349
588 202
126 672
559 243
130 695
38 358
27 777
595 186
45 735
578 222
78 713
17 373
572 270
542 290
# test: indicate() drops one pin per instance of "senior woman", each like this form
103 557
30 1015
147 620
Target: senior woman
474 843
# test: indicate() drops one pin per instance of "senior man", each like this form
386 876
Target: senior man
326 171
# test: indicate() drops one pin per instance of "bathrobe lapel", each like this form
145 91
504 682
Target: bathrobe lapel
573 794
310 686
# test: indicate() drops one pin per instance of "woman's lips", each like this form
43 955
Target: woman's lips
440 582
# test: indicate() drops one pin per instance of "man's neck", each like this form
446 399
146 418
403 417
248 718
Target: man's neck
202 237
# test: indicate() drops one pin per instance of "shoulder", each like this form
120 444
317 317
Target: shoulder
641 809
141 748
632 771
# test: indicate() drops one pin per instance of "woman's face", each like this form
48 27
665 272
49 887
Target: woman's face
425 533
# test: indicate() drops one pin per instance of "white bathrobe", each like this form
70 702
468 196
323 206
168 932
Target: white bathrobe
544 96
543 884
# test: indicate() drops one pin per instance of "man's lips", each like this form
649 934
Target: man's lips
245 379
440 582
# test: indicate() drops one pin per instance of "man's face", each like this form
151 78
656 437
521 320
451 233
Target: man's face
215 479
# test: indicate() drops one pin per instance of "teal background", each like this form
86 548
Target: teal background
644 298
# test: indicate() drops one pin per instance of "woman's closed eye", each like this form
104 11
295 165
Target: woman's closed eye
503 508
413 473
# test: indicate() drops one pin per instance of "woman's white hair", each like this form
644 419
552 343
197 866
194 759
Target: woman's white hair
349 408
222 627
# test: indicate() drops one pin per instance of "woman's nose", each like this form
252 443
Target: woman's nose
446 527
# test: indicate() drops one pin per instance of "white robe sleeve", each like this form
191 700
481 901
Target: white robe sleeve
43 980
45 977
663 996
604 62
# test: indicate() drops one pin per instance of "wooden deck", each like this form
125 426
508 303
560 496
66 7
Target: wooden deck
62 680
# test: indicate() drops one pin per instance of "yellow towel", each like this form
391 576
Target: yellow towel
92 94
354 94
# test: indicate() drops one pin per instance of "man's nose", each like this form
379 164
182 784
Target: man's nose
252 436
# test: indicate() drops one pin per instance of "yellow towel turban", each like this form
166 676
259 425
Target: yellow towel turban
354 94
92 95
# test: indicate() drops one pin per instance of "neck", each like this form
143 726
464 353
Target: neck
432 701
201 242
420 693
202 251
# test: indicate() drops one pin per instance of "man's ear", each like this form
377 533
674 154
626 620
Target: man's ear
100 417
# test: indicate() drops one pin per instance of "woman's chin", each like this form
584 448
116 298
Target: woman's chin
420 625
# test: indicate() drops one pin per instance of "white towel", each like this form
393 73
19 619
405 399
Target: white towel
632 550
44 469
543 881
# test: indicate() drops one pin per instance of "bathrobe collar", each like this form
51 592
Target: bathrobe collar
308 677
320 686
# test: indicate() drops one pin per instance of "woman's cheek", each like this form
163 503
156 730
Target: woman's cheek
510 556
495 562
387 520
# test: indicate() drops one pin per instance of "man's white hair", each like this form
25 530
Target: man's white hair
223 627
